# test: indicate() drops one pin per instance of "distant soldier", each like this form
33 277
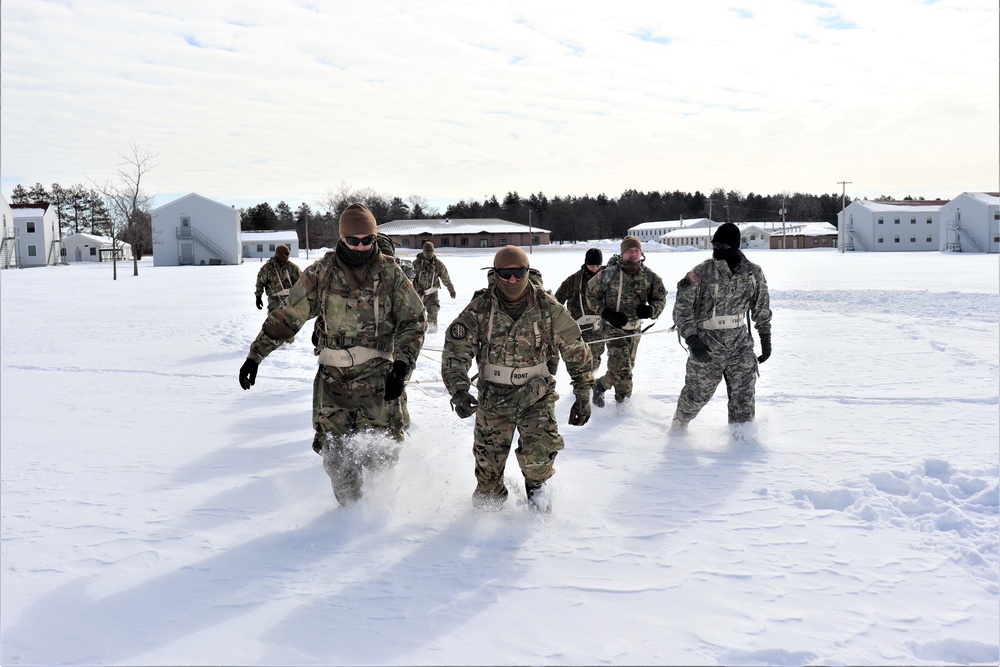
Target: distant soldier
710 314
625 293
510 330
431 272
370 335
572 293
276 277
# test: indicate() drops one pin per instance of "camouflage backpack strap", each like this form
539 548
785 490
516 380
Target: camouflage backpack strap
610 271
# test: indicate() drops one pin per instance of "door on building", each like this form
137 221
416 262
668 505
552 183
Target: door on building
187 253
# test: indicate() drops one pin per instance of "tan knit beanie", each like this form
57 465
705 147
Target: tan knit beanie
282 252
510 254
428 246
631 242
357 220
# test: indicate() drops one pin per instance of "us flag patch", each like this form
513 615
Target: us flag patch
693 277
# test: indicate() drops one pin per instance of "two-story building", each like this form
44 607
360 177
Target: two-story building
36 235
971 223
891 226
195 230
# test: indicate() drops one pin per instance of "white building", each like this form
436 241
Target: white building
652 231
195 230
896 226
8 244
36 229
263 244
753 235
82 247
971 223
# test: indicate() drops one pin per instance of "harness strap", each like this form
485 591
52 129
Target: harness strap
351 356
515 377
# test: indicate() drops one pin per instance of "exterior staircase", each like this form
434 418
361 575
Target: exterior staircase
187 232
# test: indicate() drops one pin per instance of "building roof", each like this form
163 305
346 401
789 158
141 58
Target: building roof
104 240
988 198
807 229
279 235
438 226
29 210
929 206
189 195
661 224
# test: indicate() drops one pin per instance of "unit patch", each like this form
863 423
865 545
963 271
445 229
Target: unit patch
458 331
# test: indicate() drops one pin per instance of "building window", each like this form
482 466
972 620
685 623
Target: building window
880 221
30 227
896 239
913 221
815 241
93 252
929 239
260 247
185 221
913 239
32 251
502 240
270 247
445 241
406 243
929 221
896 222
465 241
534 240
880 239
996 215
484 243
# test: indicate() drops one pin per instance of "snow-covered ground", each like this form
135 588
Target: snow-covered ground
155 513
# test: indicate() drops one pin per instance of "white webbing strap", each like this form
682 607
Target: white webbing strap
592 321
431 290
351 356
722 322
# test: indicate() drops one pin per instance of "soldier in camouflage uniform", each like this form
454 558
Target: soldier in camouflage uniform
511 329
431 272
371 334
624 293
710 314
572 293
276 277
399 413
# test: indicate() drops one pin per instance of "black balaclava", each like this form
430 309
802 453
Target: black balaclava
355 258
728 234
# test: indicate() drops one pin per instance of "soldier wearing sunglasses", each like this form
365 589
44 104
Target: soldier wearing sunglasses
369 334
511 329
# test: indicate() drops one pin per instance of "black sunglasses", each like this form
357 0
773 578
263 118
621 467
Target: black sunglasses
721 246
354 240
519 273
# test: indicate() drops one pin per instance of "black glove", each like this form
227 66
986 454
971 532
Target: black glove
395 380
698 349
464 404
260 303
248 373
579 414
614 318
315 337
765 348
643 311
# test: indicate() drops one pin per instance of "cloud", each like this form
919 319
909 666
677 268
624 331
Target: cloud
282 100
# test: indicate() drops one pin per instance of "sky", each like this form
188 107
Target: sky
451 100
154 513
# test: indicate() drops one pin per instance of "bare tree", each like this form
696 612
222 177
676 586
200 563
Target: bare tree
127 203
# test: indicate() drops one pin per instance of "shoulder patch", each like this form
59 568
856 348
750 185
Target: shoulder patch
458 331
693 277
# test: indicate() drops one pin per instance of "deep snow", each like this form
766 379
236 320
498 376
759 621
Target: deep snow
155 513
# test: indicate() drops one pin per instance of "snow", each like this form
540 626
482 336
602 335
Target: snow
154 513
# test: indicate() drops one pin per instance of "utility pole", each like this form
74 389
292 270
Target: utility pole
842 228
307 235
530 248
781 212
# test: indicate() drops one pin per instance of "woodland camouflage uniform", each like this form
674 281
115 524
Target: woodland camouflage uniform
623 290
572 293
713 290
368 311
486 332
430 273
276 279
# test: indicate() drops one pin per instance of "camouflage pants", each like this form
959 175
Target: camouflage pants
355 428
432 304
596 350
537 445
738 369
621 359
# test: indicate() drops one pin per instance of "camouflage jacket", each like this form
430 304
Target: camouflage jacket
542 329
572 292
275 276
622 291
712 289
430 273
382 312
